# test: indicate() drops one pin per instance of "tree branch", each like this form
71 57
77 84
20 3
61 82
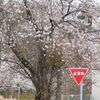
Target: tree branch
69 6
62 6
29 16
52 27
78 10
20 67
21 58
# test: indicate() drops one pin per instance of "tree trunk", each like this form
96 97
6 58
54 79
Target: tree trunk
42 83
42 93
58 91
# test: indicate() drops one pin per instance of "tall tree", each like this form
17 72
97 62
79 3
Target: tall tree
36 33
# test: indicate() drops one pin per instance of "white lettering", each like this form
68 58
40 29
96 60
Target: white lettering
78 73
82 73
75 73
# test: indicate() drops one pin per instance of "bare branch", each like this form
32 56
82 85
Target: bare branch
69 6
52 27
78 10
71 22
11 61
62 6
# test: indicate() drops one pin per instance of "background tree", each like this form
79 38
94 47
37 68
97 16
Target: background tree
37 33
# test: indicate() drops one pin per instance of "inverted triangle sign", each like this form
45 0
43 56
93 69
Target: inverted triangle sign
78 74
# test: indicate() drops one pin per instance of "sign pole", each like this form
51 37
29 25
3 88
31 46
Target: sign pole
81 91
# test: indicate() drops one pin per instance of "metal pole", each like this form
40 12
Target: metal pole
81 91
84 92
19 93
68 97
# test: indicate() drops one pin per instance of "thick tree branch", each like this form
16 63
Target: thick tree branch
21 58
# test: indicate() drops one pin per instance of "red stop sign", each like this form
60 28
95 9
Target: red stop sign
78 74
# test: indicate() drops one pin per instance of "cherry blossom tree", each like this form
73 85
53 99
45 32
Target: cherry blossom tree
37 35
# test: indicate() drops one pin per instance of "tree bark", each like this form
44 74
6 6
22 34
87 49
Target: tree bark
58 91
42 92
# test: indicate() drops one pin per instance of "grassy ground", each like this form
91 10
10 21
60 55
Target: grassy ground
2 98
25 95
